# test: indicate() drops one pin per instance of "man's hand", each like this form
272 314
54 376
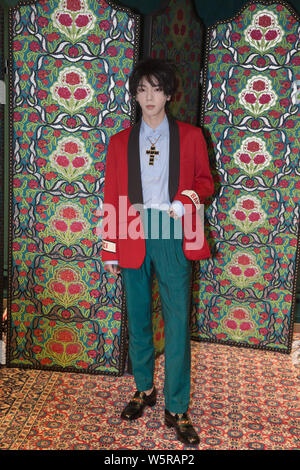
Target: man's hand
112 269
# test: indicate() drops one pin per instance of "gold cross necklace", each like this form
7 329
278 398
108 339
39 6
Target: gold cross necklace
152 151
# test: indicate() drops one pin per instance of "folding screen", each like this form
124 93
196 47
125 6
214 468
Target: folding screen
69 66
2 100
245 294
176 34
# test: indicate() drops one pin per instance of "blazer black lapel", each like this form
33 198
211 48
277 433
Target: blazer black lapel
135 192
174 158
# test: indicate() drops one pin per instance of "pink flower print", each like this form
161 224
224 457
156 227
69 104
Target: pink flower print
112 51
249 272
58 287
243 260
71 147
74 288
236 271
259 85
63 161
78 162
245 326
73 5
104 25
264 99
271 35
259 159
64 93
256 34
80 94
240 215
245 158
67 275
69 213
239 314
76 227
265 21
60 225
65 19
231 324
250 98
254 217
81 21
72 78
253 146
248 204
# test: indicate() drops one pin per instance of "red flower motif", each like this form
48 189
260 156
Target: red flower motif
258 159
236 271
58 287
249 272
265 21
271 34
256 34
250 98
245 326
64 93
240 215
248 204
244 260
80 94
72 78
253 146
64 336
265 98
71 147
254 216
69 213
65 19
63 161
76 227
60 225
239 314
73 5
259 85
245 158
81 21
74 288
78 162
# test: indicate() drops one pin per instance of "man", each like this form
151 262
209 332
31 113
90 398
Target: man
157 177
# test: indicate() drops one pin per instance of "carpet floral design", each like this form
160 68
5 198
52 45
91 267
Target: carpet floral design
241 399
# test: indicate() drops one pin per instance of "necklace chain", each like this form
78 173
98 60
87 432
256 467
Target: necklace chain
153 143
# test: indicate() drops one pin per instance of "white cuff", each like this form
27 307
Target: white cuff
178 208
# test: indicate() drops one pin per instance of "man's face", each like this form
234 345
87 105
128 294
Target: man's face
152 99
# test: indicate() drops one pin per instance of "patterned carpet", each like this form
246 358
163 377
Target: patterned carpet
242 399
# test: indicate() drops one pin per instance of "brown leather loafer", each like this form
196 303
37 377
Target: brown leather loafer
137 404
184 428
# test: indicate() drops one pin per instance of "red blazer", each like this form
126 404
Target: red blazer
190 182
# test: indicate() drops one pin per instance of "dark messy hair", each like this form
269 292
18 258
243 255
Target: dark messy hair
162 71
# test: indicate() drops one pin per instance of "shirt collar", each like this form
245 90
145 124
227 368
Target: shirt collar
162 129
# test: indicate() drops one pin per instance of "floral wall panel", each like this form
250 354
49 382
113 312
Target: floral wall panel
177 36
2 97
70 63
245 294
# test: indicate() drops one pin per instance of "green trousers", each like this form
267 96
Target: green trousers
165 257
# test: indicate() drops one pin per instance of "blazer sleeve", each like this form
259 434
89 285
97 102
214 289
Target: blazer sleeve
110 248
203 185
